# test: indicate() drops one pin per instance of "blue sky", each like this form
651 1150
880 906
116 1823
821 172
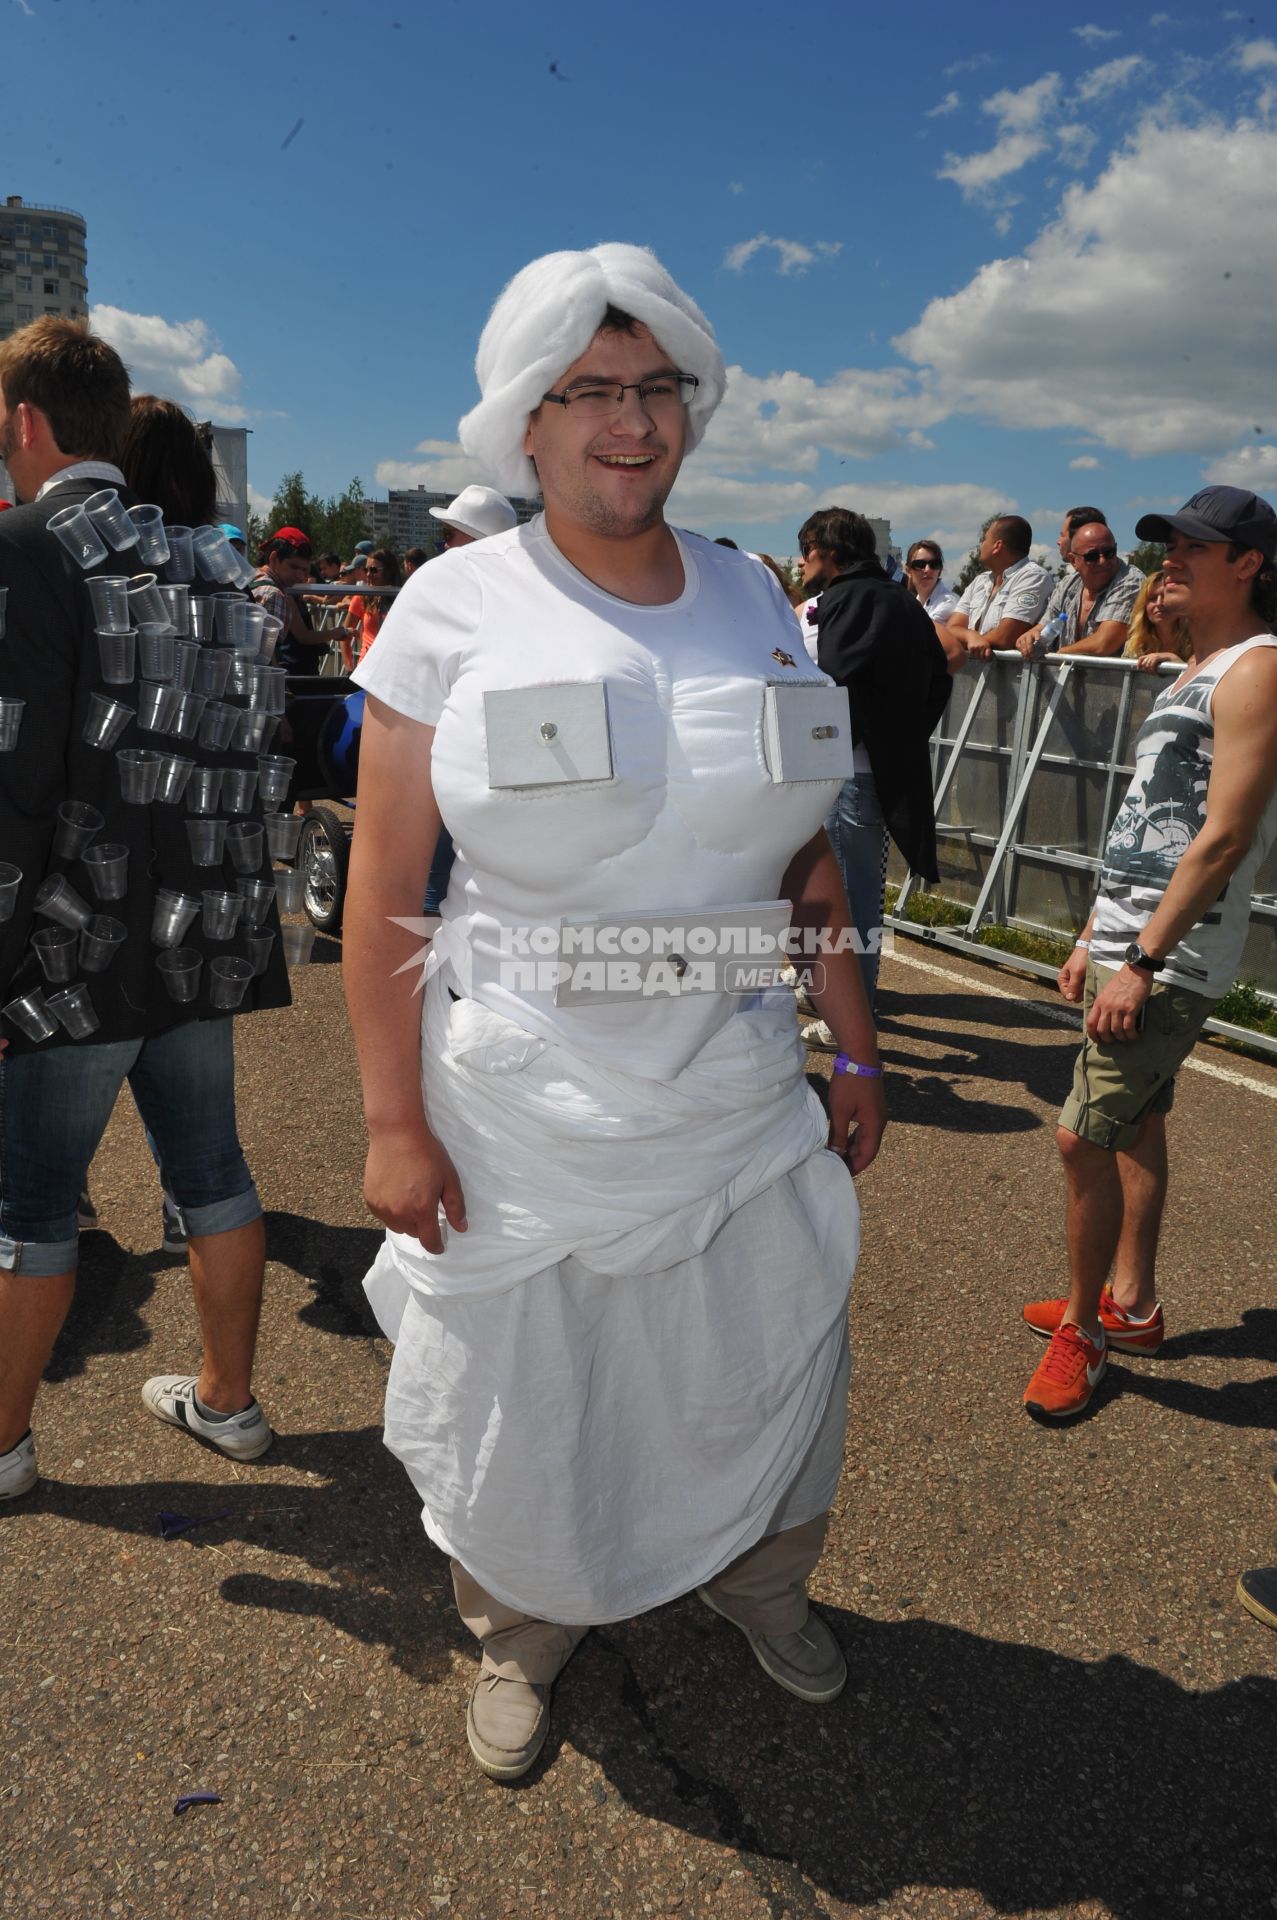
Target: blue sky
955 265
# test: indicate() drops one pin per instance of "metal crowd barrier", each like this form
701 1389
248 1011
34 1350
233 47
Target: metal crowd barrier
1031 762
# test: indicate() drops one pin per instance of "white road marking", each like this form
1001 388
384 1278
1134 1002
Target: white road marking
1064 1017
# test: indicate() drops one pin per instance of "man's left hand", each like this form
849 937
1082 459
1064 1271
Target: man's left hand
1117 1009
857 1117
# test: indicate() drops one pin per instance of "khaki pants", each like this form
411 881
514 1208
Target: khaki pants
766 1589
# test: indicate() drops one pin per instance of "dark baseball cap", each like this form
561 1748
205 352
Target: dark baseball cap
1217 513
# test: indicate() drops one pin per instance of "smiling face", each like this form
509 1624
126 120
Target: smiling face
609 476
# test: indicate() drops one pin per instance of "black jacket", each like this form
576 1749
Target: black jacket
877 641
49 657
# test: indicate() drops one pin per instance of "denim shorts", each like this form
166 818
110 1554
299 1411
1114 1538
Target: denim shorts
54 1109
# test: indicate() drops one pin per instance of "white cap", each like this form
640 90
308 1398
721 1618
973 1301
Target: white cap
478 511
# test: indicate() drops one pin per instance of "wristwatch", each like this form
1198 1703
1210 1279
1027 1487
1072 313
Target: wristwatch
1135 956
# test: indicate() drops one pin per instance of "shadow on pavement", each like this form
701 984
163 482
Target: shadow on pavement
334 1260
112 1288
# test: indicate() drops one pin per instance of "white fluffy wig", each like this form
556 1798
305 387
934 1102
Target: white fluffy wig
546 318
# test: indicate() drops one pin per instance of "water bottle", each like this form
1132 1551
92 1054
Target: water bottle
1050 636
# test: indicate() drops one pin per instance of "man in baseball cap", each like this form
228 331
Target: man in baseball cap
1165 937
476 513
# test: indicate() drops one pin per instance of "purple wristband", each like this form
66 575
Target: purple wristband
844 1063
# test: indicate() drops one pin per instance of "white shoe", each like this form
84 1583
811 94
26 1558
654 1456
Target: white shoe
819 1035
18 1470
171 1397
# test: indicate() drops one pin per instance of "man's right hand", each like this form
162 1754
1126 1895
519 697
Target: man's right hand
1071 978
407 1178
979 646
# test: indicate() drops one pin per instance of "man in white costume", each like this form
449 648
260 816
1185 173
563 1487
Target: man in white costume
619 1253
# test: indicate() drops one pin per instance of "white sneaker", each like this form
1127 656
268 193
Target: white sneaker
18 1470
819 1035
171 1397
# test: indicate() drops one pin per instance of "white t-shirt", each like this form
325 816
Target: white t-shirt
941 602
690 816
1024 592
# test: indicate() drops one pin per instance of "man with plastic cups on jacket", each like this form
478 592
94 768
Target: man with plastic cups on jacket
619 1253
106 971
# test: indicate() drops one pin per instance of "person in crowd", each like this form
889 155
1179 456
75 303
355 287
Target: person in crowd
627 1396
1156 638
1165 937
283 563
1075 517
414 558
476 514
881 645
235 535
1090 608
777 572
327 568
1003 601
924 566
64 422
367 611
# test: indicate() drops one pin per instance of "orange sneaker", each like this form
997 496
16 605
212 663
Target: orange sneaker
1122 1331
1069 1374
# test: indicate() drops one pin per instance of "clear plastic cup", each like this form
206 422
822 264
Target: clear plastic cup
232 620
297 942
272 627
145 604
74 1011
217 725
270 690
56 899
174 774
109 593
238 788
10 881
111 520
139 774
258 897
259 941
57 950
274 771
254 618
177 605
156 653
290 889
155 704
117 657
107 866
185 714
105 720
215 557
30 1015
11 712
228 978
244 844
211 670
77 825
240 671
201 611
76 531
179 968
4 601
100 940
187 655
242 574
180 565
221 913
251 730
208 840
283 831
204 790
173 916
152 543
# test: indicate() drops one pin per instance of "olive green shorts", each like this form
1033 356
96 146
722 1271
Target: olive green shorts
1116 1085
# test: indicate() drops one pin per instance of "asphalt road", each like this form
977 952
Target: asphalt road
1055 1709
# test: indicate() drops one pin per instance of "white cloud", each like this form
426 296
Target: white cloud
258 502
446 469
1112 75
793 255
1019 112
1075 143
781 421
1141 314
736 186
702 497
178 359
949 104
972 64
1256 54
1085 463
1253 467
1093 35
1020 109
952 514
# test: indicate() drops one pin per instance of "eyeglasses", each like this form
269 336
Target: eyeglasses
924 566
374 573
595 399
1096 553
